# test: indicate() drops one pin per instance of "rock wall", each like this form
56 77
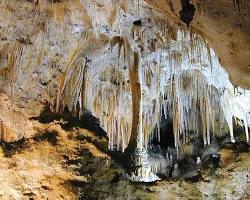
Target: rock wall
45 45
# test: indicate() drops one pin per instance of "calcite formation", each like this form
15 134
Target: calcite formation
134 64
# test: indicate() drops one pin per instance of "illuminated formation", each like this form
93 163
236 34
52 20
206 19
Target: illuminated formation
146 79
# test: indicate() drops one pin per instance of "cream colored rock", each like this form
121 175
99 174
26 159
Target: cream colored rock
40 39
226 28
14 125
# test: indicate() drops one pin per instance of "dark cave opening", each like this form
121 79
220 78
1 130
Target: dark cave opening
166 136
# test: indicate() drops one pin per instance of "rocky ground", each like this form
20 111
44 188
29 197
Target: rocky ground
36 169
75 164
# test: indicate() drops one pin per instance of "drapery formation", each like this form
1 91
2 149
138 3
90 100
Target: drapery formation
134 92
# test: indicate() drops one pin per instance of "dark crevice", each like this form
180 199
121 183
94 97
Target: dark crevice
68 121
187 12
51 137
137 23
166 135
11 148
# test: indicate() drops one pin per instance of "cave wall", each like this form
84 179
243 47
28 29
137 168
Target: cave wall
39 40
36 41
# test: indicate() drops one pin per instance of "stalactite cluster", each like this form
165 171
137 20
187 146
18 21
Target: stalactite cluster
179 82
135 72
239 4
71 82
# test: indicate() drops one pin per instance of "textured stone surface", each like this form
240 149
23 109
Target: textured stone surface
39 39
36 41
61 164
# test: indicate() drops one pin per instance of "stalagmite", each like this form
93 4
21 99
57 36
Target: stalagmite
179 84
134 90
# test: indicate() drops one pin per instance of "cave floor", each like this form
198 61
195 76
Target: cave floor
61 164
